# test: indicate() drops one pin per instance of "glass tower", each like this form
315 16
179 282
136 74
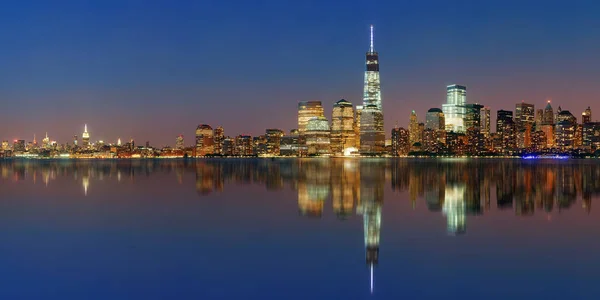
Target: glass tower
454 109
372 135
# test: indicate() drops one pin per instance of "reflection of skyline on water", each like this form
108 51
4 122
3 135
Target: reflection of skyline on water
454 189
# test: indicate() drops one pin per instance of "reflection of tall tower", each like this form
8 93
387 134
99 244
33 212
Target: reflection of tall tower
372 178
372 135
455 209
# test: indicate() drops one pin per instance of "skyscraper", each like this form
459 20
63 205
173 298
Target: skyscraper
586 116
204 140
85 138
454 109
372 135
413 129
400 141
524 115
472 117
343 134
548 118
548 125
218 136
435 119
485 122
306 111
273 141
179 145
318 136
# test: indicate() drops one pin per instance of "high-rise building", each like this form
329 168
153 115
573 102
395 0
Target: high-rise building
218 136
502 117
343 131
372 134
591 136
274 141
472 117
400 141
306 111
505 128
179 142
5 146
435 119
243 145
413 129
548 118
586 116
524 122
372 85
19 146
75 140
565 134
539 117
318 136
486 128
524 114
85 138
454 109
204 140
46 142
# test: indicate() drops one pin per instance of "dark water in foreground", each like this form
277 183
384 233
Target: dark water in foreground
300 229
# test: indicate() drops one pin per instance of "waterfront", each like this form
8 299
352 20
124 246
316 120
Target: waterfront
299 228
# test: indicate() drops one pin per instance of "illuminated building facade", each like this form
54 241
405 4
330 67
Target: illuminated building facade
524 115
413 129
505 128
548 118
372 134
586 116
435 119
318 136
273 141
591 135
243 146
454 109
343 127
204 140
565 135
400 141
85 138
218 136
486 128
306 111
179 142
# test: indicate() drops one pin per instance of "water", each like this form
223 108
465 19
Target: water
300 229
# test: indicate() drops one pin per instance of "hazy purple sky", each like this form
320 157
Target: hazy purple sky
155 69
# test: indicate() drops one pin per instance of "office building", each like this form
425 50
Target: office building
274 137
306 111
343 131
204 140
586 116
318 136
218 136
400 141
454 109
372 134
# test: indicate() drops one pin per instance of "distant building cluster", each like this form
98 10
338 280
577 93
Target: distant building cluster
458 128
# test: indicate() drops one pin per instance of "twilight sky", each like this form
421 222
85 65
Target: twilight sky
154 69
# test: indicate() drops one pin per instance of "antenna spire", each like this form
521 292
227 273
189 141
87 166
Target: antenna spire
371 49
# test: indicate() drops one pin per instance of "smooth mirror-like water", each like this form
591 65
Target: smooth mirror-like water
300 229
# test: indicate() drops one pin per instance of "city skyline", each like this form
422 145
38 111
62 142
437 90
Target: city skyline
127 98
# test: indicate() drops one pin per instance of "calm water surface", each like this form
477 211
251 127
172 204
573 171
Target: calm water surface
300 229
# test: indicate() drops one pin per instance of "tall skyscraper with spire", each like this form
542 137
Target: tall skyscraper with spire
372 135
85 138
